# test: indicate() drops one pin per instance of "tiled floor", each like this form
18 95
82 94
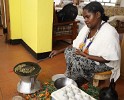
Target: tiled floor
10 55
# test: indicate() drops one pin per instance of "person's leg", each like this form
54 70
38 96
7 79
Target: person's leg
102 67
68 57
79 66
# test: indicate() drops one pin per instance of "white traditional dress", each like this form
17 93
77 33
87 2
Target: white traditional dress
105 44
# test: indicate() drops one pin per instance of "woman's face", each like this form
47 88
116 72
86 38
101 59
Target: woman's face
91 19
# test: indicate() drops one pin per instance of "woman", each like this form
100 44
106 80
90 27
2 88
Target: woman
96 48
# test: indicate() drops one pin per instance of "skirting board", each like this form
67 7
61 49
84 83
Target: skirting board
38 56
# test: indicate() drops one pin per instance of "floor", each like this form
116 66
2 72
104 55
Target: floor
13 54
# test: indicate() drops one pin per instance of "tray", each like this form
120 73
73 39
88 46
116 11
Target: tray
70 92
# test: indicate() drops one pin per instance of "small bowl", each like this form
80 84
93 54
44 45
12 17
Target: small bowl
64 81
57 76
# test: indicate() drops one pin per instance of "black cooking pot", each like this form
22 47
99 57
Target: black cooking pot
27 69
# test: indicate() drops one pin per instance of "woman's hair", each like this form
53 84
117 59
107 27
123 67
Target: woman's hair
96 7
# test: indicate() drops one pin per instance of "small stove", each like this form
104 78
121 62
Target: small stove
28 72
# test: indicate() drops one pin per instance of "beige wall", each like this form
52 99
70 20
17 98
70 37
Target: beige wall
122 3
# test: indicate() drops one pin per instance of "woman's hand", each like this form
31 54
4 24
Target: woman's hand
53 53
79 52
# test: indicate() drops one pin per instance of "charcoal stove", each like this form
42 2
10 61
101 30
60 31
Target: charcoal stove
28 72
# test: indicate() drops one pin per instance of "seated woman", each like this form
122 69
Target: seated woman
95 49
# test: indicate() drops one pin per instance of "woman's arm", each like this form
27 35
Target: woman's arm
55 52
96 58
91 57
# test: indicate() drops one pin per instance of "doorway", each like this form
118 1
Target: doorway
5 18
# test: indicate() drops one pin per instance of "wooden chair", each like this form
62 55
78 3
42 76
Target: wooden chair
120 26
64 30
101 76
